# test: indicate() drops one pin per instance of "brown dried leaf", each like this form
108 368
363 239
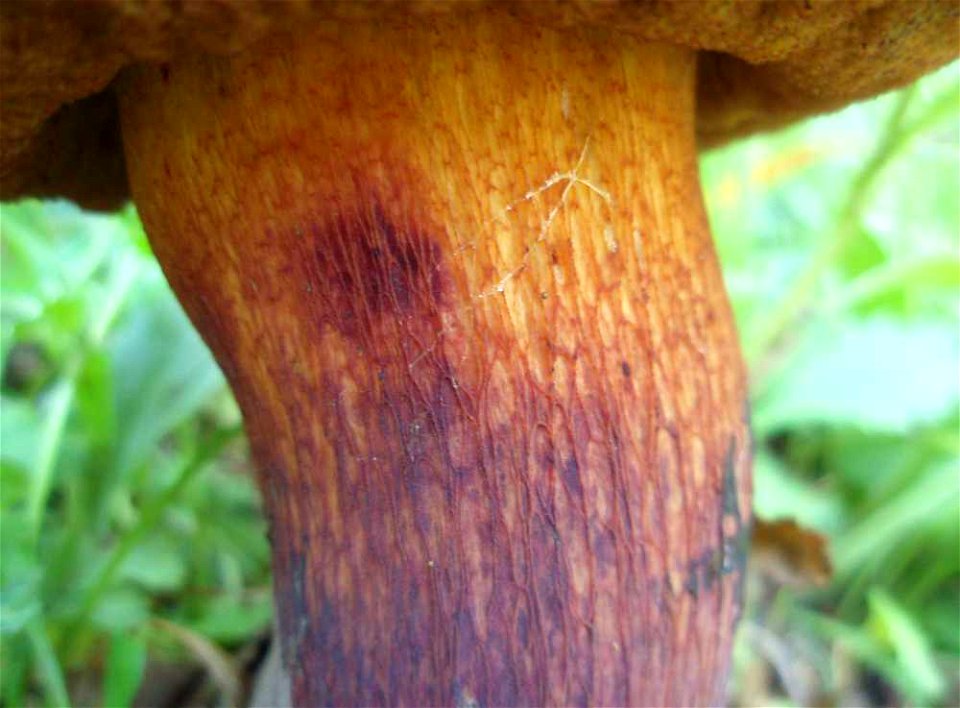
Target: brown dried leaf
789 554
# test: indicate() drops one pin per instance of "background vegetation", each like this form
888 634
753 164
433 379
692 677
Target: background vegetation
133 552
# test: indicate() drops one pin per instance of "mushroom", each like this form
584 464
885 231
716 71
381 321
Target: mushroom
454 262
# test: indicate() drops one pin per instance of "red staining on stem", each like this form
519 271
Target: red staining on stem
371 271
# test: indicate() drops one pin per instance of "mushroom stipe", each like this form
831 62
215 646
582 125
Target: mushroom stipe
466 495
454 262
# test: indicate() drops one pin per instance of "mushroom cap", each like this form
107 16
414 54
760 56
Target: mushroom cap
760 65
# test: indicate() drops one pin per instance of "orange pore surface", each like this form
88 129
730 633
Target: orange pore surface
459 275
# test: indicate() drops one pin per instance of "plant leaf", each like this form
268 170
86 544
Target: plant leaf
881 374
124 670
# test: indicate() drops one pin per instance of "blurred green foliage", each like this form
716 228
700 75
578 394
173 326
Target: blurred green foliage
840 241
130 520
126 495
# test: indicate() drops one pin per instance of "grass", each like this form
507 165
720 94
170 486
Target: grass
126 492
131 530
